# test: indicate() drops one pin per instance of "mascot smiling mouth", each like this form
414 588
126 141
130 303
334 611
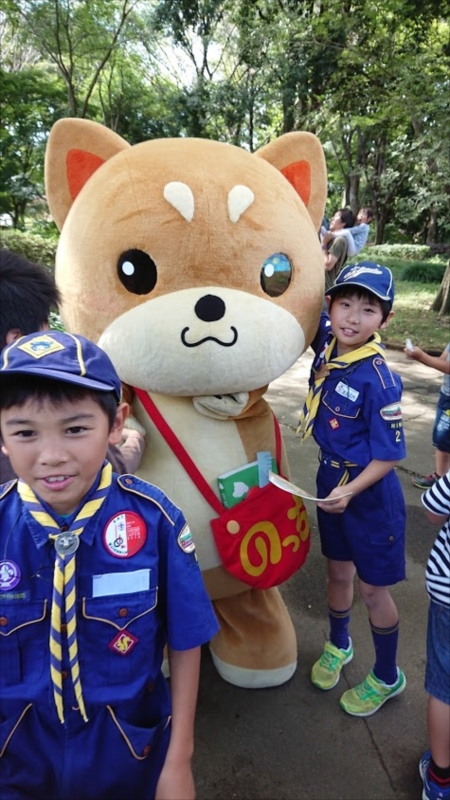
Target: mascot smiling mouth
209 339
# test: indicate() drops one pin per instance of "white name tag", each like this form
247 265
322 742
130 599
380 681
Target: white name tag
121 583
347 391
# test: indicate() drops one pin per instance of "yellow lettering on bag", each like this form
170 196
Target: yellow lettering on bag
274 548
271 552
298 513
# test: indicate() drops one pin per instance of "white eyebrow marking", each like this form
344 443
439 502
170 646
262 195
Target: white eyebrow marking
240 197
180 196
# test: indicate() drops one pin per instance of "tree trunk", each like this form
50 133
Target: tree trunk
353 195
382 219
441 303
432 227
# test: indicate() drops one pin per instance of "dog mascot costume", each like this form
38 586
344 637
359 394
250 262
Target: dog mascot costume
196 265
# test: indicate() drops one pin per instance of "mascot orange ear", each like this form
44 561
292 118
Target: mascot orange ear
76 148
299 157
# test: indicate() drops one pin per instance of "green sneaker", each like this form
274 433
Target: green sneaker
327 670
370 695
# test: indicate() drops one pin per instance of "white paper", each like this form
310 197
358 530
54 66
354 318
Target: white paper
287 486
121 583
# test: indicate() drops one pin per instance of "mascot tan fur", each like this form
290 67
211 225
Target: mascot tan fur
196 265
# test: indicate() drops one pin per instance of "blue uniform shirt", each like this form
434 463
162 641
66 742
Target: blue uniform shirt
359 417
138 586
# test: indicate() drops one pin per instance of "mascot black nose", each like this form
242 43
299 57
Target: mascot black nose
210 308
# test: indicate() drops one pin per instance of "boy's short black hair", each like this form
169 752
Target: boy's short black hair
362 294
28 293
347 217
16 390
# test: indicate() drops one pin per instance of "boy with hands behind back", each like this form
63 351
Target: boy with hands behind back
353 411
97 573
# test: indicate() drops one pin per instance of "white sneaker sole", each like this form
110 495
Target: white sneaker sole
374 710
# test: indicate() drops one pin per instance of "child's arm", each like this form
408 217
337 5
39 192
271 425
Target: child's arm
374 471
176 779
132 449
435 519
437 362
347 234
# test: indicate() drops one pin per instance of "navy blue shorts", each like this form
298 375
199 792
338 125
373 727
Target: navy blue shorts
103 759
441 429
437 673
370 532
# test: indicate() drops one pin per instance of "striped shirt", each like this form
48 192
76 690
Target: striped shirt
437 500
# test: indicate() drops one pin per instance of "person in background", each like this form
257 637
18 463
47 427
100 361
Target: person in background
336 248
441 428
435 763
356 235
28 293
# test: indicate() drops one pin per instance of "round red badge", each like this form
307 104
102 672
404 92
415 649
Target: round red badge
125 534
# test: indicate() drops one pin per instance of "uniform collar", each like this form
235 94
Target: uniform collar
40 535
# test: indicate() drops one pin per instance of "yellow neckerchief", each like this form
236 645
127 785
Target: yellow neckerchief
311 405
64 589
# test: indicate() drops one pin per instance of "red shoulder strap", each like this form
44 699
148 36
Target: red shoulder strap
184 457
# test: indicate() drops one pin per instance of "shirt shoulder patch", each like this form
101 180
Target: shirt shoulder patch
384 373
5 488
392 412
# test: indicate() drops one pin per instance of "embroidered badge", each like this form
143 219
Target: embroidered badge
123 643
392 412
8 596
125 534
185 540
40 346
9 575
334 423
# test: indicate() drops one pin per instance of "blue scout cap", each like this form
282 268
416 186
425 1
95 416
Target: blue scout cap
63 357
367 275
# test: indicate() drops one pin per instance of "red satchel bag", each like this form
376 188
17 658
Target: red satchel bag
264 538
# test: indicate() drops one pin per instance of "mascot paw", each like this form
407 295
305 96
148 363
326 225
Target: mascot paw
221 406
133 424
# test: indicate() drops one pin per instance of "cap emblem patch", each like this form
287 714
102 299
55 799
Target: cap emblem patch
41 346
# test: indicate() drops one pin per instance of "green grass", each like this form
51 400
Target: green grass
413 318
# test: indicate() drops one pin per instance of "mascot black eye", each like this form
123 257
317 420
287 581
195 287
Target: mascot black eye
137 271
276 273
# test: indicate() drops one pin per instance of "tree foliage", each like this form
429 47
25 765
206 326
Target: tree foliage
369 77
32 102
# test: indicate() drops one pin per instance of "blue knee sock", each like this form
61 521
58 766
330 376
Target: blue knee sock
385 641
339 622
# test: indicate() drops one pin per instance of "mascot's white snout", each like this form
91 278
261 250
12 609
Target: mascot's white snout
209 341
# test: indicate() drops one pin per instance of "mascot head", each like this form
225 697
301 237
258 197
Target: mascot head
194 263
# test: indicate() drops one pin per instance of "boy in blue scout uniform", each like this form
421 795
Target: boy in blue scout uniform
97 572
353 411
